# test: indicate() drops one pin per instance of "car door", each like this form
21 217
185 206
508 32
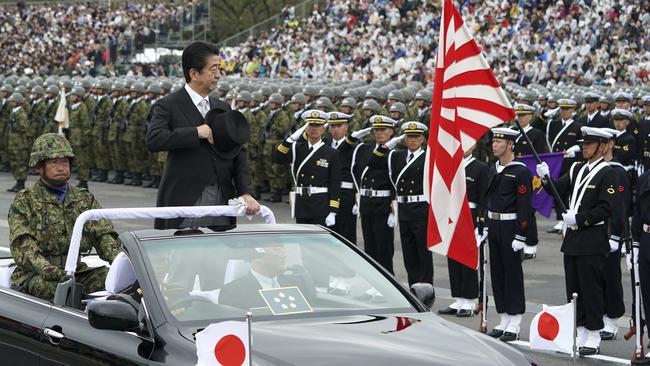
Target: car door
21 320
72 341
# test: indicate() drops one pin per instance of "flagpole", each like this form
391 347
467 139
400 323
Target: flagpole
249 320
575 326
484 305
552 187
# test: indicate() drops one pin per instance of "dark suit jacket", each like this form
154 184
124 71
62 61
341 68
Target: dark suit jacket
409 184
242 293
191 163
599 121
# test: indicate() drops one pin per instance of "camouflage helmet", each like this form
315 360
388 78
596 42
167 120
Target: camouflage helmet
373 93
52 89
371 105
423 95
223 87
154 88
349 102
266 91
22 89
50 146
310 90
66 83
324 102
326 92
17 97
276 98
38 90
299 98
78 91
396 95
398 107
138 87
257 96
244 96
118 86
103 85
285 91
232 94
7 88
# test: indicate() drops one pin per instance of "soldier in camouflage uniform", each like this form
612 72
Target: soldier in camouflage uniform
256 145
275 130
116 150
91 103
18 141
52 100
37 114
134 129
296 107
41 220
78 134
5 111
99 131
156 167
348 106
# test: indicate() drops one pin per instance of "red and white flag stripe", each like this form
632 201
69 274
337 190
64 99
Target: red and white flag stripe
467 101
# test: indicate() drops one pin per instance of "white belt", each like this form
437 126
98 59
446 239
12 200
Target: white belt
411 199
473 205
375 193
310 190
347 185
501 216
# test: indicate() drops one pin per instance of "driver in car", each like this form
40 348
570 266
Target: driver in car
268 270
41 219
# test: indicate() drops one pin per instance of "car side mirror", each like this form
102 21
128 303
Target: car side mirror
112 315
424 292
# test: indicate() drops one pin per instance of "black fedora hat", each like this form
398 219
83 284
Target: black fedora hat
230 131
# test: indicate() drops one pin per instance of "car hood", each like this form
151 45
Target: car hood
407 339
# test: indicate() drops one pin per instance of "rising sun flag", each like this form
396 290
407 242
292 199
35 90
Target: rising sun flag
467 101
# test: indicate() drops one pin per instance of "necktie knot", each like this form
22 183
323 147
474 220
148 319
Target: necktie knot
409 157
204 107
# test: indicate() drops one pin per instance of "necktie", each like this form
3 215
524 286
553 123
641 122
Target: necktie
336 144
311 148
204 107
410 157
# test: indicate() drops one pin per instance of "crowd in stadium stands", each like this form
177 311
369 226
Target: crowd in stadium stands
527 41
82 38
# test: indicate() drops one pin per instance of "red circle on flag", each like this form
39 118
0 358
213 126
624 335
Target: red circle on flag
230 351
548 326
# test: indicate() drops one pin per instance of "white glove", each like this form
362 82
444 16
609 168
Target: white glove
569 217
542 169
571 152
355 210
361 133
296 135
480 238
623 249
634 256
394 141
330 220
517 245
613 245
392 220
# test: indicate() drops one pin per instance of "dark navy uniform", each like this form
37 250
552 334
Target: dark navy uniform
370 171
641 234
643 143
407 174
596 120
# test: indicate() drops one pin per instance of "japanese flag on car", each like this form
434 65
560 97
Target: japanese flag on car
223 344
552 329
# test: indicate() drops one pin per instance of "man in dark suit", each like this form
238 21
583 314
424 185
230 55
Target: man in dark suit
593 118
590 190
199 170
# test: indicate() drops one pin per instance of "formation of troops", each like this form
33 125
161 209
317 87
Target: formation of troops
349 150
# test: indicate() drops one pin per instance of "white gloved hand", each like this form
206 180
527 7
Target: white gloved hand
392 220
480 238
613 245
569 217
355 210
394 141
542 170
634 256
330 220
296 135
517 245
361 133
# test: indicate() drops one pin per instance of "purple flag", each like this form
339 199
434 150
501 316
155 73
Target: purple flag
542 201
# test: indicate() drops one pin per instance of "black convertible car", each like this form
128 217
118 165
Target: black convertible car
350 311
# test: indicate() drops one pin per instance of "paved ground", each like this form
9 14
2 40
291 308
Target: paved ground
544 276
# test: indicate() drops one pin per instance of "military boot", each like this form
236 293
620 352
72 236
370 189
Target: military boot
19 186
137 180
118 178
275 197
82 184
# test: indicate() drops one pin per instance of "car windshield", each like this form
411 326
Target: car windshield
269 274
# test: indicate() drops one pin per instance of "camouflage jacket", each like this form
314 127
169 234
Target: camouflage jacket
37 118
135 121
40 226
17 130
276 127
102 114
257 128
118 113
79 125
90 103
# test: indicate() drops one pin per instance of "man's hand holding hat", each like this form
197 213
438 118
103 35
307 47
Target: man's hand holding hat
205 132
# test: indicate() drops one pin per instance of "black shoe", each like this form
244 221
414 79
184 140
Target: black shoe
509 337
530 256
465 313
19 186
607 336
553 231
588 351
118 178
495 333
447 311
83 184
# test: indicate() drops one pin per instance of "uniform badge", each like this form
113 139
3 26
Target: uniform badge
333 116
378 119
537 184
621 189
413 126
323 163
315 114
611 190
626 148
522 189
